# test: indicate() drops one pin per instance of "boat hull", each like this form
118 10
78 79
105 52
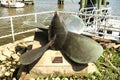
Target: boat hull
13 5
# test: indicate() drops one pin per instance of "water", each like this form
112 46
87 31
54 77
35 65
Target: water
115 4
41 5
48 5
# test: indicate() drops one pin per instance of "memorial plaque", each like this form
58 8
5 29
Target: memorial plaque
57 60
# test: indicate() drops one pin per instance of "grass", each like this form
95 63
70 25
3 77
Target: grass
108 65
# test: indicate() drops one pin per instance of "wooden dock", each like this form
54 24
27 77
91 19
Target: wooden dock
27 2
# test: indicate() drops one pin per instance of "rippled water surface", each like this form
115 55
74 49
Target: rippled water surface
41 5
48 5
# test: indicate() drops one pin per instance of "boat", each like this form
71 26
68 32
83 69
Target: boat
12 4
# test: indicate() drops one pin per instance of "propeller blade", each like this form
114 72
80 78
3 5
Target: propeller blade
35 24
74 23
57 28
81 49
33 55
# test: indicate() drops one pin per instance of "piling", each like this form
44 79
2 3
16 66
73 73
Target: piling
27 2
60 6
92 3
104 2
60 2
82 4
99 3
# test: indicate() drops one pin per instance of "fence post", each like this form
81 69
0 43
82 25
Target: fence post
12 29
35 17
36 20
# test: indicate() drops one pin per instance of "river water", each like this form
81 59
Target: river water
48 5
44 5
41 5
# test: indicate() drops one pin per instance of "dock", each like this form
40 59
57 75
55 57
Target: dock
27 2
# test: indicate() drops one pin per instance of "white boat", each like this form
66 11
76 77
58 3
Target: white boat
14 4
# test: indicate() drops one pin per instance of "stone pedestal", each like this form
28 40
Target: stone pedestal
53 62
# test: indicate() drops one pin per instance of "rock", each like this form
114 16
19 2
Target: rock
9 60
1 51
8 64
14 79
92 68
7 53
14 62
110 45
2 70
1 74
11 46
28 39
2 48
71 79
117 46
7 73
2 57
66 79
12 70
28 77
56 78
118 49
15 57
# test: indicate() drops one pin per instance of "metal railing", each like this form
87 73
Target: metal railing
101 22
13 33
97 24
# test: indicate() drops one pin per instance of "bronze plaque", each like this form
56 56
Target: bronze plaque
57 60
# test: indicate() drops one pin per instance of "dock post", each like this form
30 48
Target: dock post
104 2
82 4
60 2
99 2
12 29
23 1
60 6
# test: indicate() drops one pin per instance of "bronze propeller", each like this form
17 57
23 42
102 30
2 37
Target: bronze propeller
64 35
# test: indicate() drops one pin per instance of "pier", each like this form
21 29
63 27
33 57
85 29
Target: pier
27 2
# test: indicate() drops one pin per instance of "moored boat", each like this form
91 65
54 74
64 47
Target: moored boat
8 3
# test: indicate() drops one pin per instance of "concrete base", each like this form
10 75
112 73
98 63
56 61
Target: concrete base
53 62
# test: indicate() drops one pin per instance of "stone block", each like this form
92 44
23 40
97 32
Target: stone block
53 62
